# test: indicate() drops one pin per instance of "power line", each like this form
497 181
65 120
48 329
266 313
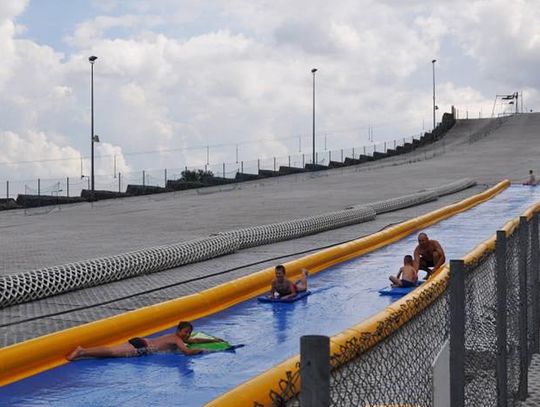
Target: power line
201 147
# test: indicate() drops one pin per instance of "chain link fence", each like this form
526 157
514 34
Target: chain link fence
487 316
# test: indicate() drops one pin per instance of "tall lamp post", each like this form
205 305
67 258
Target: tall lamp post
434 106
313 72
92 59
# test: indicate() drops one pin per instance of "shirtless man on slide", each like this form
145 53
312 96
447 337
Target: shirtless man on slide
428 255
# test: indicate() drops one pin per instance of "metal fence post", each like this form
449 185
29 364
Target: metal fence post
534 283
457 333
523 345
165 177
7 189
329 155
119 182
501 369
315 371
143 178
67 187
39 187
242 167
223 170
353 153
289 161
258 165
274 164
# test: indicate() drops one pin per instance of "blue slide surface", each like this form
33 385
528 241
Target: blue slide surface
343 295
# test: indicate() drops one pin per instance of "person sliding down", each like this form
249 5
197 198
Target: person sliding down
146 346
407 276
284 288
531 180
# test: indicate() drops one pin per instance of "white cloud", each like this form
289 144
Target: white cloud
173 75
9 10
36 156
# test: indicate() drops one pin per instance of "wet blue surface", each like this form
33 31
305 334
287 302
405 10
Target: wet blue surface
343 295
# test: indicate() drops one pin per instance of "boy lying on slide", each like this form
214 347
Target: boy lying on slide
145 346
284 288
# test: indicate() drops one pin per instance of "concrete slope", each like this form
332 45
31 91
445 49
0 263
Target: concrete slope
43 237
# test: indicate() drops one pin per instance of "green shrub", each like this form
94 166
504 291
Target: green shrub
196 175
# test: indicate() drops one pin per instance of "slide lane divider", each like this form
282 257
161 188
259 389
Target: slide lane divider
46 352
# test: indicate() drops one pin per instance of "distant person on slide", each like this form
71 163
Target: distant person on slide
146 346
284 288
428 255
407 276
531 180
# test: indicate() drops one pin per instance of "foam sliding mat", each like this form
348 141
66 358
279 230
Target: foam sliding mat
343 295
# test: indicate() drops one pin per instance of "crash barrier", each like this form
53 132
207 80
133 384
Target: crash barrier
36 284
36 355
453 187
401 202
431 194
42 283
276 232
488 319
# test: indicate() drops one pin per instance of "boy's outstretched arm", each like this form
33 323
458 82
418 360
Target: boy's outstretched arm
184 349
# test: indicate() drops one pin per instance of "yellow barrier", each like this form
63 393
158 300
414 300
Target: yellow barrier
36 355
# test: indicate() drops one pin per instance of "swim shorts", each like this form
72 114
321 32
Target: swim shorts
426 263
407 284
141 345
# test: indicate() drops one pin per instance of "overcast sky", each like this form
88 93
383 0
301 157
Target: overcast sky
182 74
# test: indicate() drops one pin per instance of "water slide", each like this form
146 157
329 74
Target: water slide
343 295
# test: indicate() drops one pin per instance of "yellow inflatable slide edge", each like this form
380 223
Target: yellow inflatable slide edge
36 355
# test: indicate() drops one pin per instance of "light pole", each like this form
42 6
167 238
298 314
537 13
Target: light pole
313 72
434 106
92 59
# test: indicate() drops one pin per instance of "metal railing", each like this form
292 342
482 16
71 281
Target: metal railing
118 181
